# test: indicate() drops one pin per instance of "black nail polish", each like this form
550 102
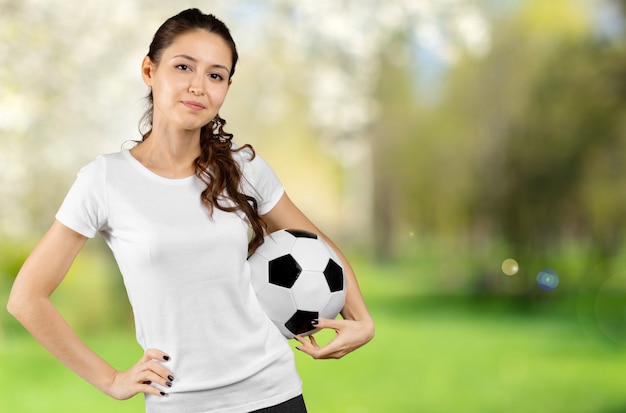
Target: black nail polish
166 358
170 378
168 384
315 322
163 393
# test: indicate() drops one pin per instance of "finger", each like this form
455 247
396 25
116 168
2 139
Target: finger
334 349
154 354
161 374
328 323
148 361
300 338
151 390
306 343
149 377
309 346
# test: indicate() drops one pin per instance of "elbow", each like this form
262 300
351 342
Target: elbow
14 306
371 331
17 305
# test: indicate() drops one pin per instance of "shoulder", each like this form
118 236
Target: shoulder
108 160
243 154
101 166
249 160
101 161
259 178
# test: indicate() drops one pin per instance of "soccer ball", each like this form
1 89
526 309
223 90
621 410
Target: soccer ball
297 278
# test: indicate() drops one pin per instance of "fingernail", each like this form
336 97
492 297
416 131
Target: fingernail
163 393
315 322
166 358
298 348
168 384
170 378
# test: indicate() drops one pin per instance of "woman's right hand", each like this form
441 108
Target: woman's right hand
139 378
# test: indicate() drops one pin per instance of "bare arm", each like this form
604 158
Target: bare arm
357 326
30 303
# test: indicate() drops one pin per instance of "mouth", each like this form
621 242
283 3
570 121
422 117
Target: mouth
193 105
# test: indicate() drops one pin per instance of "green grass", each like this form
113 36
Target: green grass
459 359
430 354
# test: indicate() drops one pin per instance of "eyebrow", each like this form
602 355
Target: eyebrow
193 59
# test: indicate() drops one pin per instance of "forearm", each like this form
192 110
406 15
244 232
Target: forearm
355 330
354 307
45 323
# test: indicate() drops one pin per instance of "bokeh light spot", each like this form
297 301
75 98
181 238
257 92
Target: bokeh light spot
547 279
510 266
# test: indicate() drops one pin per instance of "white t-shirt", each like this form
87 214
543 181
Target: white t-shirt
188 281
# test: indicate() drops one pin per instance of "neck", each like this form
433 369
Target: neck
169 153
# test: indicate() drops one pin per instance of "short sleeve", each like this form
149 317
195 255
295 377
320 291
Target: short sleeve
84 208
260 182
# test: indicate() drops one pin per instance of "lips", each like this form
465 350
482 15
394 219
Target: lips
193 105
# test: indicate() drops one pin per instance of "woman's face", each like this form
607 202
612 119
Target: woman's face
190 82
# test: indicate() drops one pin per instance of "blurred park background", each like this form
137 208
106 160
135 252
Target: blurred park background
433 140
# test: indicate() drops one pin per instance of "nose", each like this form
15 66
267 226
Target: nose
196 90
195 87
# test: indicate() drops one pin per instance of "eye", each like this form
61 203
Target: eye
216 76
183 67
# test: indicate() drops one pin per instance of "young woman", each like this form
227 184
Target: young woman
175 210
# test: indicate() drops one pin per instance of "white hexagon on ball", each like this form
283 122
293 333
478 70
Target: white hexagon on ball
311 254
311 291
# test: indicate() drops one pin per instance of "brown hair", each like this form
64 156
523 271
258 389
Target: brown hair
215 166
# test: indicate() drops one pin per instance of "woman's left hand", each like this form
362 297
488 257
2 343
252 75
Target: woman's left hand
351 334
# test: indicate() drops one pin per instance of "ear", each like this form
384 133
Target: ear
146 71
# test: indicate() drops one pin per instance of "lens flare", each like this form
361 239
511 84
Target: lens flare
510 266
547 279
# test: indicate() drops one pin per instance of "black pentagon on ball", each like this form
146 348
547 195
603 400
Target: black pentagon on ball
284 271
300 322
299 233
334 276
